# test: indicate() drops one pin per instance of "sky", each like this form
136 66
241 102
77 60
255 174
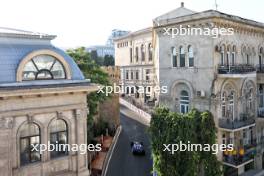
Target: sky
89 22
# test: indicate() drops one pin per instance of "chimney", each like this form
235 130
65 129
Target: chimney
182 4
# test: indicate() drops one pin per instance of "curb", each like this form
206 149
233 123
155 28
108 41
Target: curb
110 151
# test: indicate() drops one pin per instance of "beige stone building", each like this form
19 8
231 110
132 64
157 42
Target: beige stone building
42 100
222 73
133 54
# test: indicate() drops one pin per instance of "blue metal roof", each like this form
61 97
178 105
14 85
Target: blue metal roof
12 54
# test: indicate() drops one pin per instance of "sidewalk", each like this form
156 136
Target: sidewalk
97 163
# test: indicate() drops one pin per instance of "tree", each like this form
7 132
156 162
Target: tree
168 127
98 60
109 60
92 71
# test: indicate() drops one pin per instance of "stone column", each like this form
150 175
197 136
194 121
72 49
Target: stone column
80 134
6 125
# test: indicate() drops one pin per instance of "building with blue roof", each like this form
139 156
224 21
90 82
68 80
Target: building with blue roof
42 106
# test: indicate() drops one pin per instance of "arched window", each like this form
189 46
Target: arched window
230 108
260 57
222 52
261 98
182 57
233 56
184 102
150 52
227 56
127 90
248 56
29 136
248 59
136 54
190 55
174 57
59 136
223 104
142 50
43 67
132 90
250 100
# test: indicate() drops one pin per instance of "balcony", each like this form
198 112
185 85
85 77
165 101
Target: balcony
237 124
241 155
241 70
238 158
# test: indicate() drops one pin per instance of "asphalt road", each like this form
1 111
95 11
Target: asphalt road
122 162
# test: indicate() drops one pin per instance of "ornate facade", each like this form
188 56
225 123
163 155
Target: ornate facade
42 101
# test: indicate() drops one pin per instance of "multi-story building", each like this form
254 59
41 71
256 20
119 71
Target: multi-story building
42 101
109 48
135 59
102 50
222 73
115 34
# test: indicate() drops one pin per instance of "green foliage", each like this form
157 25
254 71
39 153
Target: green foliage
109 60
92 71
170 128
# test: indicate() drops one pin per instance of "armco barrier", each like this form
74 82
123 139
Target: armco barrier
110 151
132 107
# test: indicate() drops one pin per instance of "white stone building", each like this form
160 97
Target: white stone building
219 73
134 56
42 100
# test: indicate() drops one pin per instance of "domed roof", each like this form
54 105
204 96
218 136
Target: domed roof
15 45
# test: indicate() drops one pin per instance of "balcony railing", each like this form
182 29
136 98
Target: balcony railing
238 158
252 144
235 69
230 124
261 112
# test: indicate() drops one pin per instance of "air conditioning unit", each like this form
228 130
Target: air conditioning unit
200 93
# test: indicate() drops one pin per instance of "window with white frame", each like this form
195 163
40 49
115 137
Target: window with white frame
184 101
182 57
223 104
191 57
174 57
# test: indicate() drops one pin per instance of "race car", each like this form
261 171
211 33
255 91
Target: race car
137 148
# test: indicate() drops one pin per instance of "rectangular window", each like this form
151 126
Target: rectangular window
147 74
233 59
222 58
182 60
137 75
191 62
248 60
174 61
136 54
126 74
227 58
132 75
130 53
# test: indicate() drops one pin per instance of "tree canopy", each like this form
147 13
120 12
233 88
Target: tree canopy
92 71
196 127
